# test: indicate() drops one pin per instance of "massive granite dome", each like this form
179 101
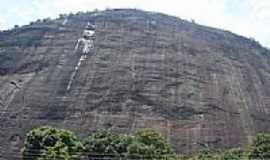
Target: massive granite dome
198 86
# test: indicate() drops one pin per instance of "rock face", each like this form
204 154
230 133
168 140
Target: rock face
198 86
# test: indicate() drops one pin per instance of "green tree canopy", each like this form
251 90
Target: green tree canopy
145 143
260 147
154 145
48 143
234 154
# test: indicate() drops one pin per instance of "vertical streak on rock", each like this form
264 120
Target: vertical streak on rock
258 98
241 104
133 87
87 42
249 122
75 72
169 131
184 91
177 79
214 93
65 21
166 66
11 90
202 117
10 95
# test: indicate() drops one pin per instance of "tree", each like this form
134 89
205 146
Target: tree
205 154
105 143
137 150
152 144
101 142
62 16
260 147
234 154
48 143
145 143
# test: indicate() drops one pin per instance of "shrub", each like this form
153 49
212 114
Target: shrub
153 145
101 142
47 143
234 154
145 143
260 147
205 154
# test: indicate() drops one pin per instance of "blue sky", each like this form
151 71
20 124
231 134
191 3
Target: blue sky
250 18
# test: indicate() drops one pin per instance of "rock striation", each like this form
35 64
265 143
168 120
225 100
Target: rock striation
199 86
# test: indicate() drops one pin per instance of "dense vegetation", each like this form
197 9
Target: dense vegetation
51 143
259 149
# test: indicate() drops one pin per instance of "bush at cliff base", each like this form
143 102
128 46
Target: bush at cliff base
234 154
260 148
50 143
145 144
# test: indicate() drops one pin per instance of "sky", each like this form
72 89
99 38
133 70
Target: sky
250 18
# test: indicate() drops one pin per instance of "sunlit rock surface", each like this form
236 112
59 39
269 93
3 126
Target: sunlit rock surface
198 86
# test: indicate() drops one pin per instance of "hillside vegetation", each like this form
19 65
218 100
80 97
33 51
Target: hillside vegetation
52 143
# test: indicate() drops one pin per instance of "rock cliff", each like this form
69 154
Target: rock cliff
198 86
